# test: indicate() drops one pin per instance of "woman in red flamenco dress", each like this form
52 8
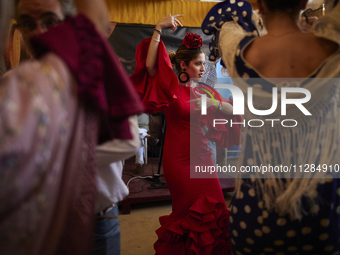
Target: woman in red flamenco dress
199 220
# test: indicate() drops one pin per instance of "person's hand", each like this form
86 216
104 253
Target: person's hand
306 26
169 21
198 102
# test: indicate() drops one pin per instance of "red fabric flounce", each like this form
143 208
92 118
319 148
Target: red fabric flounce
223 135
203 231
159 91
102 82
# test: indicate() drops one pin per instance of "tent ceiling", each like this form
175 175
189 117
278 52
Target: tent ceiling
149 12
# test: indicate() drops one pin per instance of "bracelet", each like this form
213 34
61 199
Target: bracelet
155 39
158 31
220 106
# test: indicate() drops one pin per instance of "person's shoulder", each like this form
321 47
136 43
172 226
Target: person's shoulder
258 50
49 70
327 46
295 55
320 47
26 71
301 42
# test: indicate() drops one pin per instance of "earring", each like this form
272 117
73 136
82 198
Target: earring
185 73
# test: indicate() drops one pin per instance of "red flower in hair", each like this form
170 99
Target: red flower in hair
192 40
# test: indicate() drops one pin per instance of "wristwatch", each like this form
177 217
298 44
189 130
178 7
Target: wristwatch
220 106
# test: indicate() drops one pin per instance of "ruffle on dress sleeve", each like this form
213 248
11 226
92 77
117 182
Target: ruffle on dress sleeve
203 231
240 12
159 91
102 81
222 134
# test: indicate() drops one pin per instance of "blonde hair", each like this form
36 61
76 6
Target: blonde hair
6 12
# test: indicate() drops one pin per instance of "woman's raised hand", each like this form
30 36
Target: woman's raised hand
169 21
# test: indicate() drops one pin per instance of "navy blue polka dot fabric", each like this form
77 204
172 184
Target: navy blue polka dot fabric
255 230
237 11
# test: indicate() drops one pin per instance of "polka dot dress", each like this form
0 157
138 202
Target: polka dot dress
255 230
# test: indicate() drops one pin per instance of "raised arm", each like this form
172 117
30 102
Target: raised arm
168 21
96 11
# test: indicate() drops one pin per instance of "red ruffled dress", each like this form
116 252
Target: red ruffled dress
199 220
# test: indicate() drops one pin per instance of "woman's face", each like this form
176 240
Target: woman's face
195 68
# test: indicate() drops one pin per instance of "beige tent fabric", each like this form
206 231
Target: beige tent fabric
149 12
